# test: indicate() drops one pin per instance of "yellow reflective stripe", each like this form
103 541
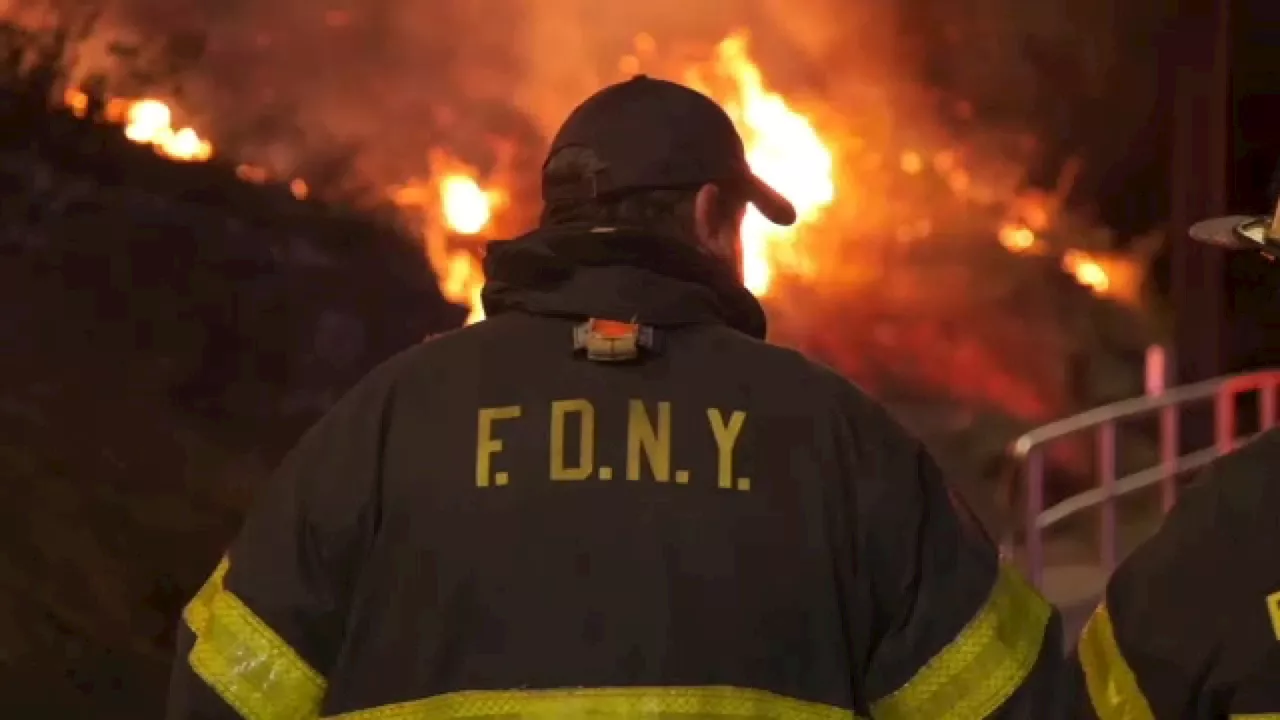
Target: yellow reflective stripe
244 661
641 703
1255 716
1273 611
1113 690
984 665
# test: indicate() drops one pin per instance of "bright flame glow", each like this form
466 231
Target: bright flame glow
1033 214
147 121
454 206
467 209
150 122
783 148
1105 275
1017 237
1086 271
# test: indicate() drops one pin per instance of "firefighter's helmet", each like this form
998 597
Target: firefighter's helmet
1253 232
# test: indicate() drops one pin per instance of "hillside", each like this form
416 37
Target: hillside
168 330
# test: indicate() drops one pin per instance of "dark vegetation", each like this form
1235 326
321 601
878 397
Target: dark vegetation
168 330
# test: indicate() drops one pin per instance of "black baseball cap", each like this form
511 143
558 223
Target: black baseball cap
649 134
1253 232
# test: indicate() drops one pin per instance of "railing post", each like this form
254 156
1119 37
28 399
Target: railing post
1107 475
1267 404
1170 451
1104 421
1031 520
1224 419
1155 371
1157 375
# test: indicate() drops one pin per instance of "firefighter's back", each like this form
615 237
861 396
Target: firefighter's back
518 520
1248 671
1190 627
551 522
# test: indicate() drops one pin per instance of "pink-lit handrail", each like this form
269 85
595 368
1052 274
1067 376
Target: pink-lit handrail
1029 451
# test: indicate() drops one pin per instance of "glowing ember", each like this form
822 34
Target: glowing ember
147 122
466 207
783 148
1115 277
150 122
1086 271
1017 237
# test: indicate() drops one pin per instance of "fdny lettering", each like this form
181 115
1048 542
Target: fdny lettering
650 441
726 432
585 419
572 451
487 445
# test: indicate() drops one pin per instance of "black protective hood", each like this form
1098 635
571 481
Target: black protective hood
616 274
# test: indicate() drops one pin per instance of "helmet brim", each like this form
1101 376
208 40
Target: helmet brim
1238 232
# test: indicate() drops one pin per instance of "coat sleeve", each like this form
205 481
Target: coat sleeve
260 635
955 633
1151 642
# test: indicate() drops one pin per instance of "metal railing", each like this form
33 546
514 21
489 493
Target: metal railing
1029 451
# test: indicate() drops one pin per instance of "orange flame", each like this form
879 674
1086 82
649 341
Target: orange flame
783 148
1017 237
1086 271
467 209
147 121
454 208
1110 276
1107 274
150 122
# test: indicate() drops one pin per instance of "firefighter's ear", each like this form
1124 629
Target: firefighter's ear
718 221
704 214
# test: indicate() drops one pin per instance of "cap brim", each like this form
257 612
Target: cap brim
1247 232
777 209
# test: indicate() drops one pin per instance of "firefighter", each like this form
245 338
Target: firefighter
1189 627
612 499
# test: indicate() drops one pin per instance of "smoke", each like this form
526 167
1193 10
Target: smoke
284 79
283 82
572 47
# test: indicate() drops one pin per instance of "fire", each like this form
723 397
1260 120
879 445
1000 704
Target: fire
466 207
1106 276
455 196
1086 270
783 148
457 213
1017 237
1031 214
148 121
